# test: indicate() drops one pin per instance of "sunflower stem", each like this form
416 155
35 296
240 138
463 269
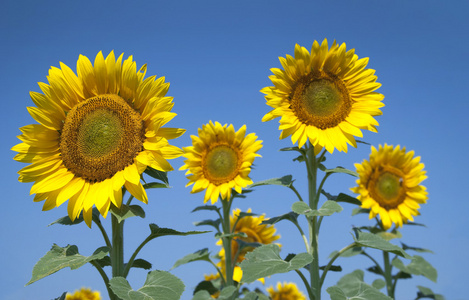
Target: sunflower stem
305 281
117 251
388 274
227 240
312 168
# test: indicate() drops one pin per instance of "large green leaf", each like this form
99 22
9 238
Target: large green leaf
284 181
159 285
265 261
202 295
328 208
202 254
371 240
127 211
352 287
418 266
58 258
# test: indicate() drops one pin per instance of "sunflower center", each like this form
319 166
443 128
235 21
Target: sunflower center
100 137
387 187
321 100
221 164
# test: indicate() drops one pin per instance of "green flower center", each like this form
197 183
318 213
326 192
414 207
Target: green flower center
100 137
221 164
387 187
321 100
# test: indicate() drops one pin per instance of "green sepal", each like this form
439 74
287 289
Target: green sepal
58 258
360 210
371 240
341 198
352 287
265 261
291 216
62 297
206 207
155 185
292 149
158 175
157 231
362 142
418 266
283 181
158 285
140 264
127 211
338 170
328 208
200 255
425 292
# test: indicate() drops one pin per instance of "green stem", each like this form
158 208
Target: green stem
296 192
305 281
104 233
227 240
117 251
303 235
388 274
312 167
373 260
328 266
134 255
105 279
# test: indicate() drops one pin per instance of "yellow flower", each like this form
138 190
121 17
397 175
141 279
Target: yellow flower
285 291
389 185
84 294
97 132
325 97
220 159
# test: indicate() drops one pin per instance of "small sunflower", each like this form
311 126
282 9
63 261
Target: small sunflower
285 291
254 231
325 96
389 185
97 132
84 294
220 159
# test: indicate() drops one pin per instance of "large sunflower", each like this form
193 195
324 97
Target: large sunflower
220 159
325 96
84 294
97 132
285 291
389 185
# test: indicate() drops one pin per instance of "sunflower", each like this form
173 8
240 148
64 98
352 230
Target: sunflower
97 132
285 291
220 159
325 96
389 185
84 294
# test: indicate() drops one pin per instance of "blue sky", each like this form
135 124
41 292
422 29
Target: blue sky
217 56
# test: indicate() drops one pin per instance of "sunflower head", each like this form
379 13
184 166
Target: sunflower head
325 96
389 185
285 291
98 131
220 159
84 294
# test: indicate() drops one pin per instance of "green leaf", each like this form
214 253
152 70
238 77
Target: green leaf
159 175
58 258
371 240
155 185
378 284
157 231
284 181
66 220
328 208
291 216
206 207
348 253
227 292
341 198
206 286
140 264
127 211
422 250
339 170
159 285
253 296
202 295
362 142
352 287
265 261
425 292
214 223
202 254
230 235
332 268
360 210
104 262
418 266
62 297
389 235
291 149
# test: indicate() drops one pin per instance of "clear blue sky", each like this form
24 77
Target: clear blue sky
217 56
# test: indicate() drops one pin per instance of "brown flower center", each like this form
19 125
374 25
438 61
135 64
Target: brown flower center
101 136
220 164
387 187
320 99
